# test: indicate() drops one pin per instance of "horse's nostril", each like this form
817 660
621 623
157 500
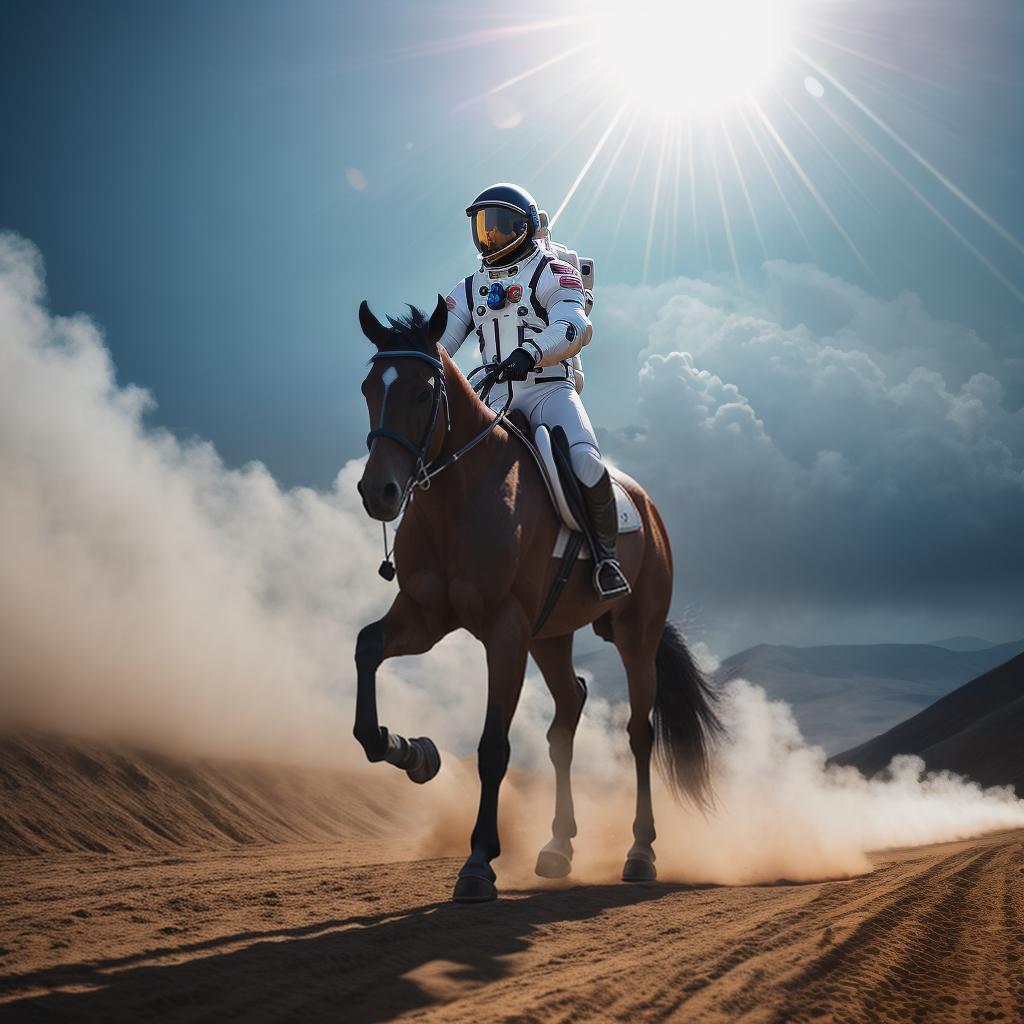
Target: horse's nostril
390 492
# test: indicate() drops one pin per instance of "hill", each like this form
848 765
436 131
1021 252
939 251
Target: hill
963 643
59 795
840 694
976 731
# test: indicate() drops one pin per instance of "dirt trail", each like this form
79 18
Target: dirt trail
303 933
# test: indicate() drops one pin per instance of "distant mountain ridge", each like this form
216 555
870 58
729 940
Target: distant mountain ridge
840 694
977 730
963 643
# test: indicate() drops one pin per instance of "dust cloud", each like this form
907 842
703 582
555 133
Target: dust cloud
148 592
781 812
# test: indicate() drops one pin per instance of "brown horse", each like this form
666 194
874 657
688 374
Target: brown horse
474 551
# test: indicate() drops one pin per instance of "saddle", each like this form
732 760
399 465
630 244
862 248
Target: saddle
550 450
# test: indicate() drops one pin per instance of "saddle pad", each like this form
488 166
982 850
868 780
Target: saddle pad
629 521
539 446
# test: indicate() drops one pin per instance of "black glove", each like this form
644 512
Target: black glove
517 366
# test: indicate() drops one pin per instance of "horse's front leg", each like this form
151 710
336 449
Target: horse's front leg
506 641
407 628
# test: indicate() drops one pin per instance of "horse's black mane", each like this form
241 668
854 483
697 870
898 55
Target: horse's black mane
408 332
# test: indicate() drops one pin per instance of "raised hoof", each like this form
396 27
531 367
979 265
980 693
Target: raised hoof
552 864
428 760
637 870
474 889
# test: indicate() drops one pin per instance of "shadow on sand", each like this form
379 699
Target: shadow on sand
358 973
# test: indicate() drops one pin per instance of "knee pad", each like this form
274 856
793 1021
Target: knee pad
586 463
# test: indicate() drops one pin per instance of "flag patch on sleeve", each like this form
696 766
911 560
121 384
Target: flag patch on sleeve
567 281
450 302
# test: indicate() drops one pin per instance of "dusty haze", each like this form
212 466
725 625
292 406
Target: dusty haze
150 593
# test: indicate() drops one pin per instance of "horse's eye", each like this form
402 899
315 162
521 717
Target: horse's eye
424 395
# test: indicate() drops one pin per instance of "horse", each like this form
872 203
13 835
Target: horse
474 551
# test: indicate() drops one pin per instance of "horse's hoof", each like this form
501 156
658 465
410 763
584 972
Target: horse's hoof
474 889
638 870
428 760
552 864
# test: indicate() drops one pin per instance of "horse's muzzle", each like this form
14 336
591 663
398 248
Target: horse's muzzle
382 503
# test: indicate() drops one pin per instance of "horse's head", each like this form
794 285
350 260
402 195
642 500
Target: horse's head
405 397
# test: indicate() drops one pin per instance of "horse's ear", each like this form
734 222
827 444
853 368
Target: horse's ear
372 327
438 320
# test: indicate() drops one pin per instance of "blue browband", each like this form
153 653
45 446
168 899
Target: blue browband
410 353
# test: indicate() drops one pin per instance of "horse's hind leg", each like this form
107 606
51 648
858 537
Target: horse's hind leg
405 629
637 652
554 659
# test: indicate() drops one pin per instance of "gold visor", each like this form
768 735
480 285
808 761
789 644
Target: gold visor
496 228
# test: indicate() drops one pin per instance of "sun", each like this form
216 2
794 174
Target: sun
691 56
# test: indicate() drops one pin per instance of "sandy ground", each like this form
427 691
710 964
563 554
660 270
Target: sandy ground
308 933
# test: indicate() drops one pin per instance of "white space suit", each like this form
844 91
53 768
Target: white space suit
526 305
537 304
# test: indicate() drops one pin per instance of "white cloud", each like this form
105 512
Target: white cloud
832 451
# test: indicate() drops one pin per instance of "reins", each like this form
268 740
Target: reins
425 472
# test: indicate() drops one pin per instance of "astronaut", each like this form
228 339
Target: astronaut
527 309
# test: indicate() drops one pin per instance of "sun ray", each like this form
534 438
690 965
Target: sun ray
677 155
594 153
724 207
632 184
809 185
934 54
568 140
833 159
869 59
516 79
873 150
778 185
943 180
465 41
692 183
652 218
607 173
743 186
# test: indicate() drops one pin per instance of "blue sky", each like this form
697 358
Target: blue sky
217 185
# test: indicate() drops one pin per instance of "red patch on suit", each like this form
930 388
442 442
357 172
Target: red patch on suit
450 302
571 282
515 293
563 268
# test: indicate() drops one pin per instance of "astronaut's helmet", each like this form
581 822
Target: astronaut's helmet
503 219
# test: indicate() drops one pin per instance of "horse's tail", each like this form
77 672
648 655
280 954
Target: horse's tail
686 724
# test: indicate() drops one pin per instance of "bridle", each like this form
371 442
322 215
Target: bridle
421 475
424 472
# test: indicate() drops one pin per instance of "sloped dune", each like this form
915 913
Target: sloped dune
63 796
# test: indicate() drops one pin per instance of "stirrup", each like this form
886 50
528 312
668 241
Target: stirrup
617 587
